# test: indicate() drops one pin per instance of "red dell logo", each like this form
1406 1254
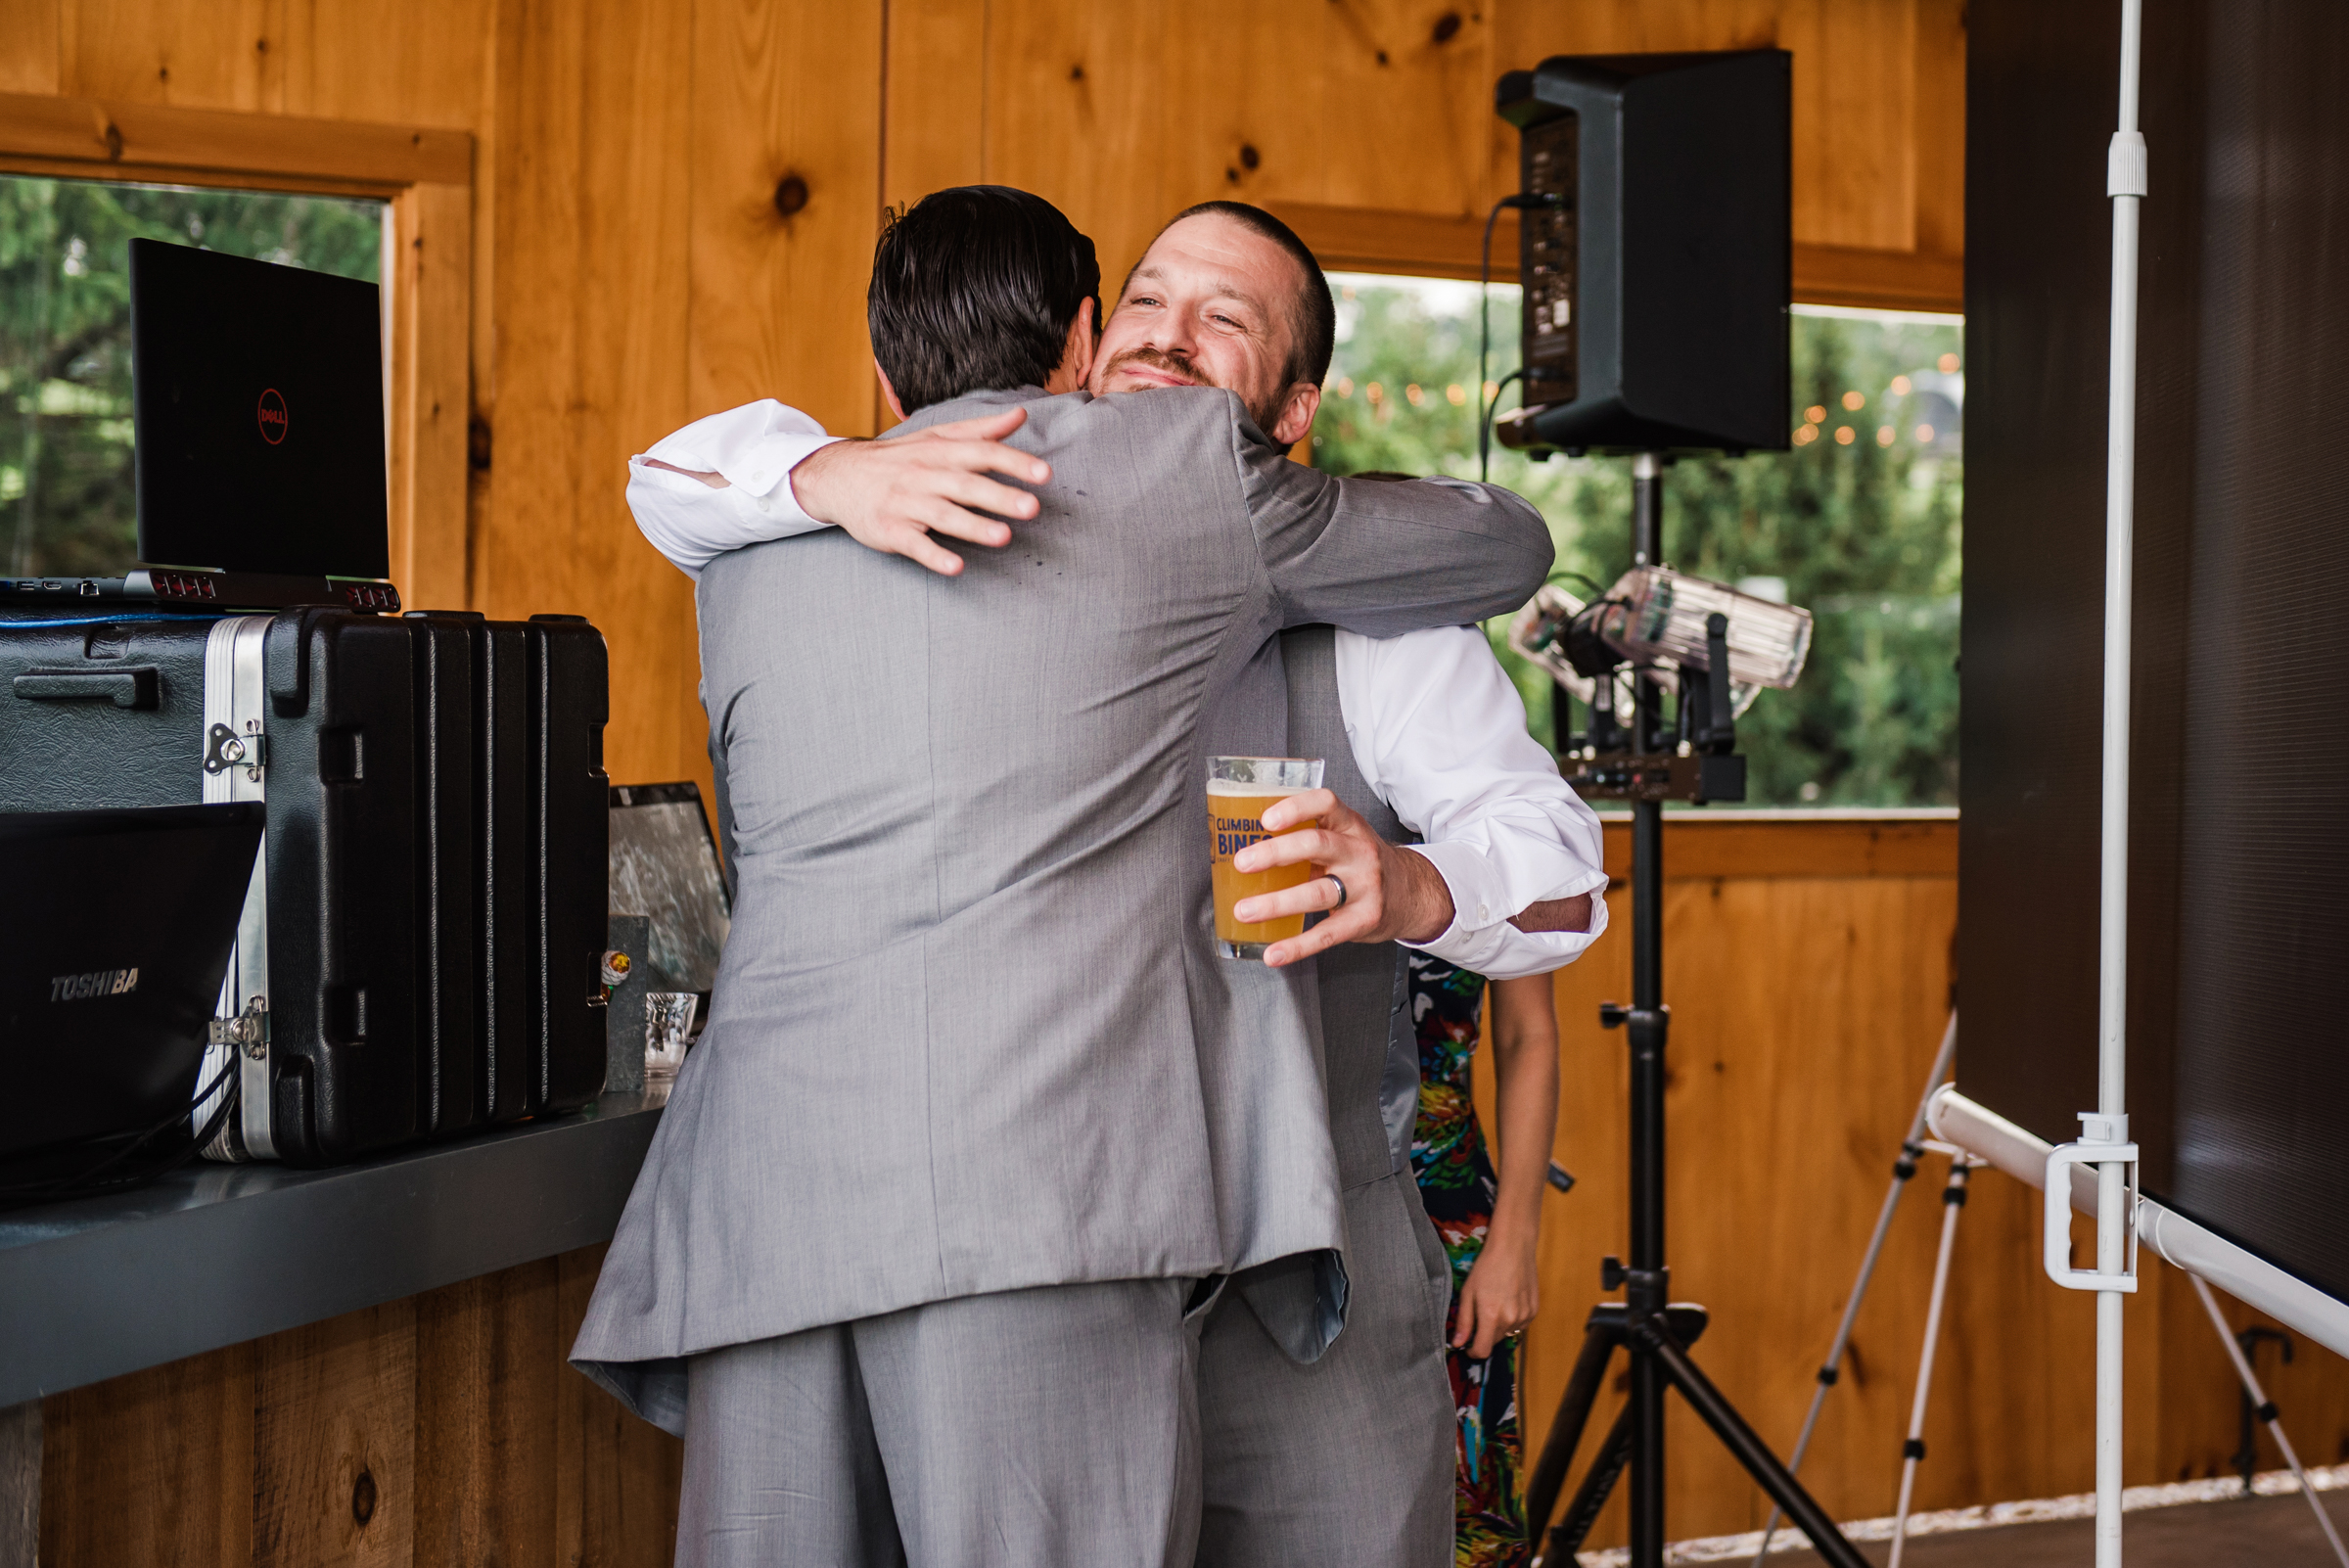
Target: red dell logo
273 417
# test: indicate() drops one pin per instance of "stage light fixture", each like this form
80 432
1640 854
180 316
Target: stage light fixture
1656 619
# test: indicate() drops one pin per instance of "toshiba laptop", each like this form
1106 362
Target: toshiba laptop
257 415
115 936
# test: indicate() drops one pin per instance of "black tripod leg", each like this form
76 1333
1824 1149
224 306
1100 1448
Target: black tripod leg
1592 1495
1742 1441
1600 1335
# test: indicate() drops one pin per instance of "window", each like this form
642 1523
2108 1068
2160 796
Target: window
1859 522
67 498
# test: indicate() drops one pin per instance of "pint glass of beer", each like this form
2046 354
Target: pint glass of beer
1240 790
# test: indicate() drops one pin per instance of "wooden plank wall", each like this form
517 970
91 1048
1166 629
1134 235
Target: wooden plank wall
443 1430
1808 967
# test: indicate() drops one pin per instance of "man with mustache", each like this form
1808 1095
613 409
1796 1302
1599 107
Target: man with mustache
1344 1457
916 1262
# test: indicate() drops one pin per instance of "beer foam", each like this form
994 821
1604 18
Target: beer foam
1226 786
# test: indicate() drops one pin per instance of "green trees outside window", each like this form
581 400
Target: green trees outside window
1859 522
67 504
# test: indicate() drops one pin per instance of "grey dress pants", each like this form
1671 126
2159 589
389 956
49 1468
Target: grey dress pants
1348 1463
1047 1428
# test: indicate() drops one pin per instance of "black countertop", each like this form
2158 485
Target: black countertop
213 1255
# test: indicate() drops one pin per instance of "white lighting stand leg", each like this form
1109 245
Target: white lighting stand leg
1903 1168
2268 1413
1912 1449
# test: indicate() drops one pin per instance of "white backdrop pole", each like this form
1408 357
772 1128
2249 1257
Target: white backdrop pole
2125 183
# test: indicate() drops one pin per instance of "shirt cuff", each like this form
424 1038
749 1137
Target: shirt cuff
761 472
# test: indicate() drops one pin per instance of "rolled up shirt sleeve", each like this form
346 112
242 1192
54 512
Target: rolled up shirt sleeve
754 449
1438 729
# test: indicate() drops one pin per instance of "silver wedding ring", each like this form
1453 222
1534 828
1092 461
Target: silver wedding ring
1341 903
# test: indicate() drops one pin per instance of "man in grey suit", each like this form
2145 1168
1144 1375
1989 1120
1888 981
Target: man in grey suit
910 1261
1345 1456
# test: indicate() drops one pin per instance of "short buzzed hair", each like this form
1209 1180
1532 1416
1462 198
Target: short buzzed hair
1313 315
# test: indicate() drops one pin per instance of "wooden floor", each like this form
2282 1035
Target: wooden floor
2240 1533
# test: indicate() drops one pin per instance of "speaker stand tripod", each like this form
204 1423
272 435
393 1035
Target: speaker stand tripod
1656 1335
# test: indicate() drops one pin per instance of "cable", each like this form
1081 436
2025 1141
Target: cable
1484 423
92 1180
1484 325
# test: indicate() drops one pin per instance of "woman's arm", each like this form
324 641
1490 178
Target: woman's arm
1504 1291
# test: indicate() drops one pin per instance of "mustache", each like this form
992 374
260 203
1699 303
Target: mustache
1159 360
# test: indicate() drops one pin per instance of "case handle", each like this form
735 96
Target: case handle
134 687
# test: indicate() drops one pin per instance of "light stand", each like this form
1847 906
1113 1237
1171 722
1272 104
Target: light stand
1904 1169
1656 1335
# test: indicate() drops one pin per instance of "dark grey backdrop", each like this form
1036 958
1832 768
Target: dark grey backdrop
2239 864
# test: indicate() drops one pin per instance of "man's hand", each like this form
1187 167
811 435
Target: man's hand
1391 895
891 496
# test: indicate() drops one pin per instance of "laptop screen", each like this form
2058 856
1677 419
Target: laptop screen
664 866
257 401
112 951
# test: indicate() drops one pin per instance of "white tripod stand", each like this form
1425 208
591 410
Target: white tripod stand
1953 1194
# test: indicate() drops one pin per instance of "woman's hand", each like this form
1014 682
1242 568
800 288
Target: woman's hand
1502 1294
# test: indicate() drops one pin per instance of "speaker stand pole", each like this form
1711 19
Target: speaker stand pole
1655 1337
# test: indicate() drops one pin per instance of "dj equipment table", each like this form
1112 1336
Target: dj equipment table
215 1255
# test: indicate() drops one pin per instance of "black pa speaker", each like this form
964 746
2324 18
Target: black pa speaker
1657 269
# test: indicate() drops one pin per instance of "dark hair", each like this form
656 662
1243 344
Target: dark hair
1314 318
973 290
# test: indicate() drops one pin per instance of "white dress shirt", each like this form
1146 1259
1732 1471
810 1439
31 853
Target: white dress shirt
1435 724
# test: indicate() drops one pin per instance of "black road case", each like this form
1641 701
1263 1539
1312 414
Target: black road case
309 711
420 955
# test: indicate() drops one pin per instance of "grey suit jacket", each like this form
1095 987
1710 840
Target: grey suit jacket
969 1032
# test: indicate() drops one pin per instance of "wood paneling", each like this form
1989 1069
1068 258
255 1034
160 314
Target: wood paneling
591 309
616 1477
199 140
1373 119
154 1468
431 322
334 1441
1431 245
479 1444
485 1389
785 90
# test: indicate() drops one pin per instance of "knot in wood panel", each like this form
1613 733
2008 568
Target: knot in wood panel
362 1496
1447 26
790 195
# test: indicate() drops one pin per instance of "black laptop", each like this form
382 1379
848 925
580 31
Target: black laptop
257 415
114 940
257 392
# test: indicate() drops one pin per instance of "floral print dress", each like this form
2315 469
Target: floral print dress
1458 1185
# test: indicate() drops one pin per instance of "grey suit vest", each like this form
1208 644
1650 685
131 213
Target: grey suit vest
1370 1049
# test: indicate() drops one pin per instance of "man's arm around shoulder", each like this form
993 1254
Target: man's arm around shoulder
1383 558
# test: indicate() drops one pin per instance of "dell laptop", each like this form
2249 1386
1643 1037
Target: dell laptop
257 419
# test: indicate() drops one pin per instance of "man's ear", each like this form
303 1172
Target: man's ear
888 393
1296 412
1076 367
